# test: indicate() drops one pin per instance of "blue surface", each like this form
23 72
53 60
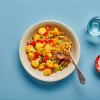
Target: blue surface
16 16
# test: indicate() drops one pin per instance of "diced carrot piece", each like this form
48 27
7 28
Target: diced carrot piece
54 42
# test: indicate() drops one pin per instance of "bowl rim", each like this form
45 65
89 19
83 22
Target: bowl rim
26 32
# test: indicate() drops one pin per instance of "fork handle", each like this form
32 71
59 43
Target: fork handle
82 79
80 75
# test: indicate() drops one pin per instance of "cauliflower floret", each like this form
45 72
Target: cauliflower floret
28 48
36 37
38 59
56 66
30 56
33 50
49 63
41 66
35 63
40 51
47 71
41 31
47 49
49 55
39 47
55 31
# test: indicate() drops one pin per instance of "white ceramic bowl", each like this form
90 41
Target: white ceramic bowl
75 50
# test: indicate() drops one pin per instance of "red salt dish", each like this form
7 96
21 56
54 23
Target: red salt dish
97 63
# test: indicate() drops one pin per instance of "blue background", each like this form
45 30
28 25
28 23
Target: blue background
16 16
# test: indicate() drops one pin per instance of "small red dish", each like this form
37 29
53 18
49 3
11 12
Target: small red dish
97 63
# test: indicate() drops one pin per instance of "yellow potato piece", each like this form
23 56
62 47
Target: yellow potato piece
30 56
49 63
41 66
36 37
56 66
47 71
28 48
41 31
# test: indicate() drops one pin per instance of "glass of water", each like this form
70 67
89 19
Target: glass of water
93 26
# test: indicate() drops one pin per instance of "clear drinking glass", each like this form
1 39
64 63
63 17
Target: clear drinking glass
93 26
